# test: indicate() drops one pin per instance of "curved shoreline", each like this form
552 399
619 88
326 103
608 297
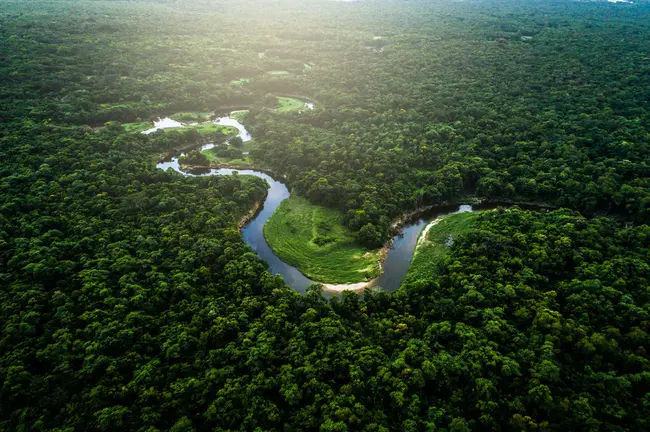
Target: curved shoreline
302 98
254 211
338 287
242 167
359 286
330 287
423 235
396 226
395 255
168 155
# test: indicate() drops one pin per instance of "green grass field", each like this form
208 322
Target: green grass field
240 81
207 128
214 159
314 240
203 128
433 245
278 72
287 104
136 127
191 116
239 115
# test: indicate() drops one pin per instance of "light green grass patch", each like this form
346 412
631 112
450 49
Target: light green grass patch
243 160
314 240
278 72
214 159
433 245
239 115
205 128
191 116
287 104
208 128
240 81
136 127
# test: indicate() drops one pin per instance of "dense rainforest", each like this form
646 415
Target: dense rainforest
129 301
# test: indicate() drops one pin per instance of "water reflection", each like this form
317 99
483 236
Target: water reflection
163 123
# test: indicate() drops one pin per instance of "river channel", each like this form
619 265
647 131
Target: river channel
397 260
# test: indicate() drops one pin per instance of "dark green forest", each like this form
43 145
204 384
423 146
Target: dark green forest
129 300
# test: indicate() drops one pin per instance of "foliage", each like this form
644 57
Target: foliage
222 153
129 301
313 239
435 242
136 127
194 157
288 104
209 128
187 117
236 142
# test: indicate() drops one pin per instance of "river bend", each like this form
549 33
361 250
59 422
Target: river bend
397 260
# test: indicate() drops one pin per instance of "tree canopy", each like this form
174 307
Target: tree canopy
129 300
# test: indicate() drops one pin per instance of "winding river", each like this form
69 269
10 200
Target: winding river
397 259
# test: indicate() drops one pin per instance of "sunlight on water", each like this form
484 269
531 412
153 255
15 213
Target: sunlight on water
164 123
229 121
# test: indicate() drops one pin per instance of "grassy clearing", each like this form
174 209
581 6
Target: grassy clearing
136 127
240 81
278 72
287 104
314 239
435 244
208 128
203 128
214 159
192 116
216 155
239 115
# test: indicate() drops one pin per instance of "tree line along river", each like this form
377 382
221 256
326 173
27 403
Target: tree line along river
398 258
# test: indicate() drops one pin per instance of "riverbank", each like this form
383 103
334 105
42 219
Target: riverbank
170 154
528 205
398 251
289 105
435 242
391 262
267 171
303 98
315 240
397 229
252 213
